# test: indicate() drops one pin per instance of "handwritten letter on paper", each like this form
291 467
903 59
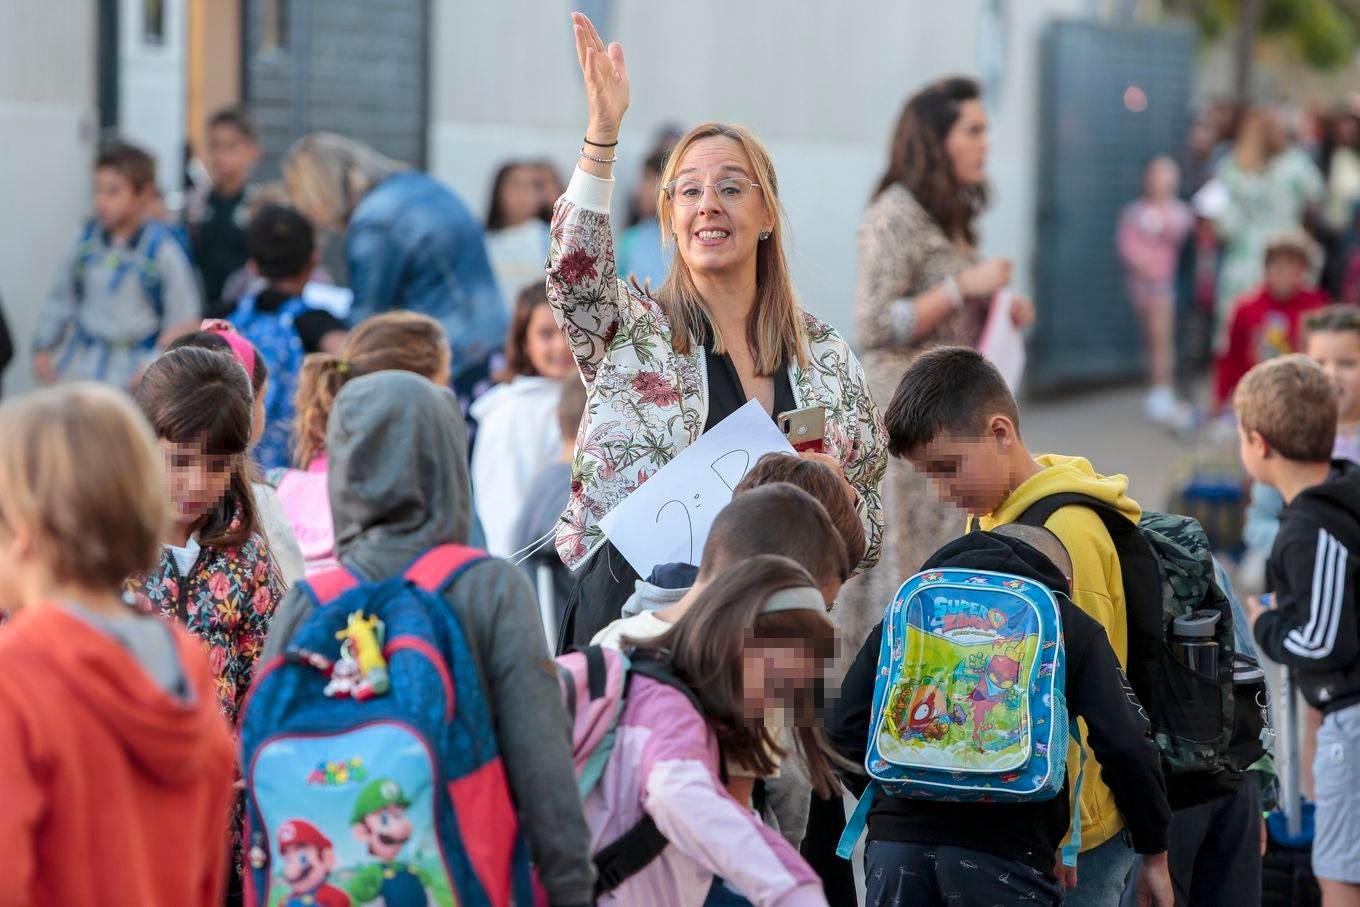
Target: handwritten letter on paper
667 519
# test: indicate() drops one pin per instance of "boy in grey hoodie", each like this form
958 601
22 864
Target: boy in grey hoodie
399 487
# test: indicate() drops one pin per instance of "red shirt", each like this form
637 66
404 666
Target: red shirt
1263 327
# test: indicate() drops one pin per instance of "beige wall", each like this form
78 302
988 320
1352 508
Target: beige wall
822 85
47 137
214 62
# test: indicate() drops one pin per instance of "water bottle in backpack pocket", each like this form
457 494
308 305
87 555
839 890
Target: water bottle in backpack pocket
969 702
371 765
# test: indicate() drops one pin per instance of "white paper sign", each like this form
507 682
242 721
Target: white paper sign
667 519
1003 344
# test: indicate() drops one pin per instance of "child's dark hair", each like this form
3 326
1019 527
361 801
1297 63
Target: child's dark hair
571 406
778 518
138 167
517 338
706 646
197 396
212 340
236 117
401 341
950 389
1334 319
280 242
818 481
495 218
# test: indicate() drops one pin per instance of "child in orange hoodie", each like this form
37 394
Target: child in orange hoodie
117 767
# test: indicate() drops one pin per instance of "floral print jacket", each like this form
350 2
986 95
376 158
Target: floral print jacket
227 601
646 403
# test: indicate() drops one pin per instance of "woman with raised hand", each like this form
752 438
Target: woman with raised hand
662 367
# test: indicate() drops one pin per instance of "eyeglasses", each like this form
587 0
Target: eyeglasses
731 191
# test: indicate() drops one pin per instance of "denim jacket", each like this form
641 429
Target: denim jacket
413 244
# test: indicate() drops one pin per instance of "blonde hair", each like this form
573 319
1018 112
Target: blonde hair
392 341
327 175
1292 404
80 471
1260 139
775 331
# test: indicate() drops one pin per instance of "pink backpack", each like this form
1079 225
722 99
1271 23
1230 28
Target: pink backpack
306 500
595 683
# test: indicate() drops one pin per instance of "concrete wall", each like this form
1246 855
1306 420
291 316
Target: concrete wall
48 127
153 87
822 87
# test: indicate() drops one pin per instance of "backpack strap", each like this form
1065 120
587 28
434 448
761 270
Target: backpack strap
328 586
150 271
436 569
1072 847
637 847
854 826
85 249
1138 569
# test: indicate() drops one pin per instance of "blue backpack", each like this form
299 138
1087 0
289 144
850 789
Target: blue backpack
370 757
275 336
969 703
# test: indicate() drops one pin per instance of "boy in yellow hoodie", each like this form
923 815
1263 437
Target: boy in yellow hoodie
954 418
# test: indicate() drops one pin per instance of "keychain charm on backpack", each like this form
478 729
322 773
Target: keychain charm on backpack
361 671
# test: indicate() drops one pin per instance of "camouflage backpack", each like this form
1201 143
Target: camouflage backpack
1168 572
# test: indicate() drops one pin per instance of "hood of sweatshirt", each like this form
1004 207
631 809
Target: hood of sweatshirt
1341 492
398 472
999 554
1064 474
171 740
520 387
667 584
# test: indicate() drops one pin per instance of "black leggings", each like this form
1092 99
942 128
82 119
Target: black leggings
899 874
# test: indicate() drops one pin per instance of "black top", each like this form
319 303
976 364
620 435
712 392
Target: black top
312 325
726 395
1117 728
1312 626
219 241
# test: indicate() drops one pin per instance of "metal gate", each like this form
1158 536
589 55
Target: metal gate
1111 98
354 67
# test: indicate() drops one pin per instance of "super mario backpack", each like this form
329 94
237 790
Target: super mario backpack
969 704
275 336
370 757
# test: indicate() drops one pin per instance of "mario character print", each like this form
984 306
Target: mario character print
308 859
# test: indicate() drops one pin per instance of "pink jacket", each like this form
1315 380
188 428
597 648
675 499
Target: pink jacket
305 496
1150 236
664 762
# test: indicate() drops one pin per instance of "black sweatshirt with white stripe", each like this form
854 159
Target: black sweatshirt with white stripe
1312 574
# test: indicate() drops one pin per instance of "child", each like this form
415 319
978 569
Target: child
111 746
398 473
125 290
517 432
922 852
546 499
1267 324
217 218
1286 419
402 341
282 326
954 418
745 532
283 545
752 648
1150 235
214 572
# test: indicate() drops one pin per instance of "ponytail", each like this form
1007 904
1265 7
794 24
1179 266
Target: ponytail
392 341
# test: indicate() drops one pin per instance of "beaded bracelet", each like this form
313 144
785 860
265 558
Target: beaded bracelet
600 160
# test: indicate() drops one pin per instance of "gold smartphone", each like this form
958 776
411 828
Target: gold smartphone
805 428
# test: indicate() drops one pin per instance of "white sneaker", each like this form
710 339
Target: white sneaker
1160 405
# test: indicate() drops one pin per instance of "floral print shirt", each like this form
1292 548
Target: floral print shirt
645 402
227 601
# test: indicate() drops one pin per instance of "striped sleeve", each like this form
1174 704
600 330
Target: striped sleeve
1313 622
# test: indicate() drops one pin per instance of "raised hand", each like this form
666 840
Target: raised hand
606 79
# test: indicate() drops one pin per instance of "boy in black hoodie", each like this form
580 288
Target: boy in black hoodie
935 852
1286 420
